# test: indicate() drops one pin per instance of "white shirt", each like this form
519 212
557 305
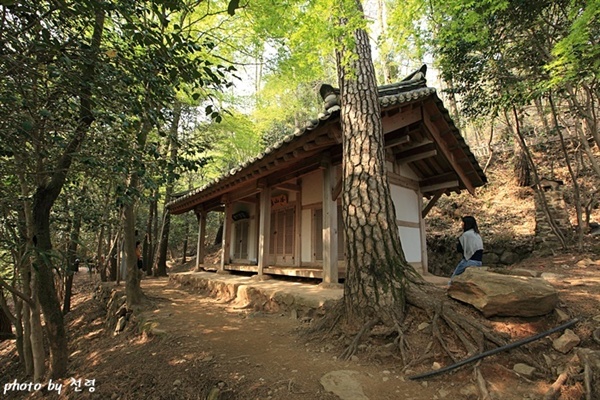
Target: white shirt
471 242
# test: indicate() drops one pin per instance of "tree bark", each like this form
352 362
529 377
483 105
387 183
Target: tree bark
71 257
133 291
44 198
161 265
376 274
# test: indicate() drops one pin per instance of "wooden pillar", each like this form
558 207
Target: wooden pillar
330 234
200 249
423 232
264 229
226 246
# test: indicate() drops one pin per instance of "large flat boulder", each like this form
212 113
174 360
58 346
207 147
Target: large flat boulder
503 295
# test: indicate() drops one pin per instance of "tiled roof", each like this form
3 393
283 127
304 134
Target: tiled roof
390 95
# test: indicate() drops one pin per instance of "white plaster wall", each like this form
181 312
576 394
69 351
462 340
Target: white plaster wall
411 243
406 203
312 188
306 236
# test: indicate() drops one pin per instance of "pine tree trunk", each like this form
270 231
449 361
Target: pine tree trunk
376 267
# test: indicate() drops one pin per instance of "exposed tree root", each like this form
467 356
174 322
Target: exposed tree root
570 370
481 383
351 349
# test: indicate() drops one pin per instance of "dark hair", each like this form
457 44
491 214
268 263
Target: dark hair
137 243
469 223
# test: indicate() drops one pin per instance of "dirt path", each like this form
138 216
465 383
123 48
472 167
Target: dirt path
257 353
203 345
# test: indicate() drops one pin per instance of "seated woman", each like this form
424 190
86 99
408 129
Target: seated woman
470 245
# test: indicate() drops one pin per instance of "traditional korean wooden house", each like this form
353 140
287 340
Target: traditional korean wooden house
283 208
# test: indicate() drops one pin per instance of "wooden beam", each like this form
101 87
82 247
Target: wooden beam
433 130
337 189
330 242
402 181
264 225
200 247
400 120
431 203
407 224
397 141
440 186
292 187
417 156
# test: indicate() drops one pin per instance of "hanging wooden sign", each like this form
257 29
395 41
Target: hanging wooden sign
279 201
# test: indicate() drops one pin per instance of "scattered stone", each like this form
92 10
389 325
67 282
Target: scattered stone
176 382
443 393
114 396
561 315
586 262
343 384
386 378
214 394
549 361
294 314
566 342
422 326
504 295
524 370
470 391
424 383
436 365
354 358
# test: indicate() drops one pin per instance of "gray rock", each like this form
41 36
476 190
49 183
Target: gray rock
214 394
423 326
470 391
561 315
508 257
566 342
524 370
504 295
343 384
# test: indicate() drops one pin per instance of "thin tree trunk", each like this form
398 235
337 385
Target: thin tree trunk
71 257
155 234
540 192
576 188
161 265
5 319
133 290
44 198
37 341
148 238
